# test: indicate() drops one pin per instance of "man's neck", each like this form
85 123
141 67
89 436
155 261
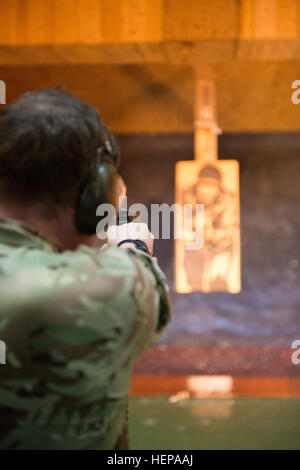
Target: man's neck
59 228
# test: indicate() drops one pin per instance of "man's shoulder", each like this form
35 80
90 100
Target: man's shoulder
67 277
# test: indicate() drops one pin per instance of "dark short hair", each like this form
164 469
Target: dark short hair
48 141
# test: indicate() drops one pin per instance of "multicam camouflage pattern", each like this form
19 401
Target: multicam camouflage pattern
73 324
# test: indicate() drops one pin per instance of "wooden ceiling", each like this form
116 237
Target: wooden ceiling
135 59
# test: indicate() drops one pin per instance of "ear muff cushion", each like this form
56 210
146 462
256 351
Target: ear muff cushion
100 188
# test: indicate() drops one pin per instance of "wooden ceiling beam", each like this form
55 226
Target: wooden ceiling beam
176 53
252 96
147 31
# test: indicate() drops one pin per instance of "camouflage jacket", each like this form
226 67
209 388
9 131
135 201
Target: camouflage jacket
73 324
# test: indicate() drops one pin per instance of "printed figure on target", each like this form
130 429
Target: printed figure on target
215 266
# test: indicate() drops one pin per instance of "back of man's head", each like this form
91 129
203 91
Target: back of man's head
48 141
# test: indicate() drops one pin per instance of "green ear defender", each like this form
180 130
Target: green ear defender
99 188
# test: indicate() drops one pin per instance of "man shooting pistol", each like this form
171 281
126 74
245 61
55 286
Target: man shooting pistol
73 317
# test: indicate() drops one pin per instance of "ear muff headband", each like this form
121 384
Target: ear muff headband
99 188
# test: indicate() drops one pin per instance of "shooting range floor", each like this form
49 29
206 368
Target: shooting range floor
222 372
155 423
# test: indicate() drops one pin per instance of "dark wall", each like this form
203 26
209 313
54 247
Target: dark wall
267 311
